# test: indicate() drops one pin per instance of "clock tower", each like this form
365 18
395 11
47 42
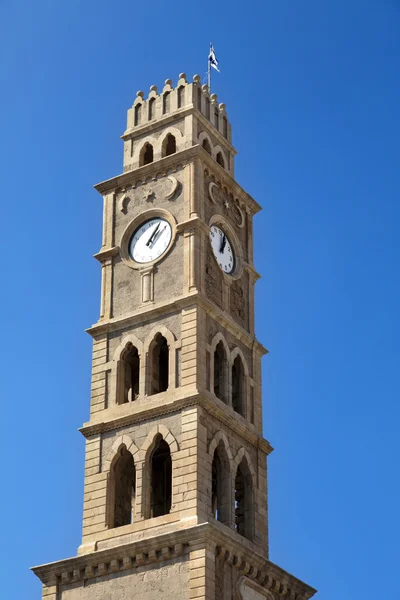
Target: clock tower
175 495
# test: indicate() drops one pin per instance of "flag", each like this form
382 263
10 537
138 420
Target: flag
213 59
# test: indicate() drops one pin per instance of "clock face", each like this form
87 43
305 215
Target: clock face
223 249
150 240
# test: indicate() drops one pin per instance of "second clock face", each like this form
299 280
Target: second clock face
150 240
223 249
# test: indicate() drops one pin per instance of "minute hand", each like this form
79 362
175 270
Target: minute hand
223 244
151 238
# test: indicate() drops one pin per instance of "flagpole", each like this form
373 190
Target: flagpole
209 71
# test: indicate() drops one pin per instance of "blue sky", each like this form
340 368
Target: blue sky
312 91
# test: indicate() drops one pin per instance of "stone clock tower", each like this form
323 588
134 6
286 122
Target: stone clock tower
175 496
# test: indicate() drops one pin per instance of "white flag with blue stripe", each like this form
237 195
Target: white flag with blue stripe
213 59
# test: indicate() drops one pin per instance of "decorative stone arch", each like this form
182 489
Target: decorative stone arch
172 344
140 145
179 139
215 151
121 440
117 367
144 457
204 136
218 437
226 374
246 383
242 453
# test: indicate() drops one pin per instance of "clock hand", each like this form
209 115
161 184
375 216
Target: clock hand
223 244
158 235
152 235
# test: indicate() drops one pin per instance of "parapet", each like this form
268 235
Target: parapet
172 101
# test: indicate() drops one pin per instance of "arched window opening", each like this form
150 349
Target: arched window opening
130 369
159 365
238 387
244 501
152 108
169 145
216 118
206 146
138 113
220 500
161 479
220 383
199 96
225 126
207 108
220 159
166 102
181 96
146 155
124 484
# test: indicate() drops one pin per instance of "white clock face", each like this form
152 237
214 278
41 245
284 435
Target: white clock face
223 249
150 240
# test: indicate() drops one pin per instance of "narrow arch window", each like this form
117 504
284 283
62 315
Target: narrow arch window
159 365
138 113
208 108
169 145
220 159
216 118
244 501
220 500
206 145
161 479
146 155
166 102
152 108
129 377
225 126
181 96
238 386
220 379
123 482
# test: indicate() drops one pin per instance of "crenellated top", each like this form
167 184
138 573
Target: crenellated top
171 100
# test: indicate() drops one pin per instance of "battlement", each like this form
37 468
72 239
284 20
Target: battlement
175 119
172 100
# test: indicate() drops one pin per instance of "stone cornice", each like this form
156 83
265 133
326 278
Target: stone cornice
149 312
227 544
175 161
214 407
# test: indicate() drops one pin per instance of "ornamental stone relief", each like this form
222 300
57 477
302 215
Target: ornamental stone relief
231 206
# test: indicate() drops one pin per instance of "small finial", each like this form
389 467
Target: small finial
153 88
213 98
222 106
204 87
140 94
196 78
182 76
168 82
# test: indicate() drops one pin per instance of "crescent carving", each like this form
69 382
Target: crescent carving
123 203
175 183
210 191
241 213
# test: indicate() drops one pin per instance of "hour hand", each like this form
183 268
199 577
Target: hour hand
223 244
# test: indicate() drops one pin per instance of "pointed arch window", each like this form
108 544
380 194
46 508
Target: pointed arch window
220 372
199 96
216 118
122 489
208 108
181 96
166 102
220 488
146 155
225 126
220 159
152 108
238 386
244 519
138 114
159 365
129 374
161 479
206 145
169 145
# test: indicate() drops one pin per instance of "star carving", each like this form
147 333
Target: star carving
148 195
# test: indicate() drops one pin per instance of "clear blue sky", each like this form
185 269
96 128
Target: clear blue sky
312 91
